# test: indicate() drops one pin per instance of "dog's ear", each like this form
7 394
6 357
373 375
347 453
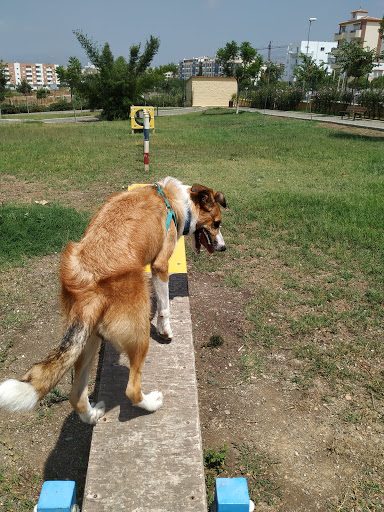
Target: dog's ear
219 198
203 195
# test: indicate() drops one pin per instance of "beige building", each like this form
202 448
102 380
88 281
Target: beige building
365 29
37 75
206 91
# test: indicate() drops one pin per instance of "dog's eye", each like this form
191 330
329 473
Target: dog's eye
216 224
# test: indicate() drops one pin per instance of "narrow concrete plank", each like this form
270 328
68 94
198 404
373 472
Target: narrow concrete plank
150 462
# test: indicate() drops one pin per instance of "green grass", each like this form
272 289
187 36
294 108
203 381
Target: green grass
35 230
258 468
304 230
38 116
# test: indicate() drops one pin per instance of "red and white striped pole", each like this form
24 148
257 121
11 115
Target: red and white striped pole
146 139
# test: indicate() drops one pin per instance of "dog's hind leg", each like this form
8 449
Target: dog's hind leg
153 400
126 324
78 396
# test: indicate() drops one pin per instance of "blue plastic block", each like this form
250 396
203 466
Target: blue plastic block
57 496
232 495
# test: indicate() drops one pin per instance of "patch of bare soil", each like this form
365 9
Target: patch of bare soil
316 456
16 190
50 443
353 130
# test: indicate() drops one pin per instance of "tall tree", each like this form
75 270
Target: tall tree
308 74
71 76
119 83
242 62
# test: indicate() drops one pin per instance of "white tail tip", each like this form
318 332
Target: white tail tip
17 396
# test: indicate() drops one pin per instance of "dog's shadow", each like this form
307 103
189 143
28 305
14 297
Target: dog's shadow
69 458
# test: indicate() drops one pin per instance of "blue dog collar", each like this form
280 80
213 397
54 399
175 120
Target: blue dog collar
171 214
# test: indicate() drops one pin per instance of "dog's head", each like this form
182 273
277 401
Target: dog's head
207 232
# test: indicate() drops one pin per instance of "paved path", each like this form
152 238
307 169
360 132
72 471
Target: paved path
141 462
357 123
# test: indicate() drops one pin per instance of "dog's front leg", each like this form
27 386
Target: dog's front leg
160 280
162 297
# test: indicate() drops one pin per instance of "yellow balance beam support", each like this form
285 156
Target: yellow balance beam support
177 263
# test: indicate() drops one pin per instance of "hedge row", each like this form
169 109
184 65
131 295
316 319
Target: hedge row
33 107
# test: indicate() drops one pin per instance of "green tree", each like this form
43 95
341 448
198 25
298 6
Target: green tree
242 62
119 83
71 76
354 60
271 74
308 74
25 88
42 93
378 82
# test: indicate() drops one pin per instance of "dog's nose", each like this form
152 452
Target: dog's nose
222 248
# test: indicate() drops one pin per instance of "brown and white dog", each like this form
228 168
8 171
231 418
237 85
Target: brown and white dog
105 292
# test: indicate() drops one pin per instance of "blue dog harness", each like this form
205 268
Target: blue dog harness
170 212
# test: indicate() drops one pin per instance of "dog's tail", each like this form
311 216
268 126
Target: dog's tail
23 395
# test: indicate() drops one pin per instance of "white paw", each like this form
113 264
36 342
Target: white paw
93 413
164 328
151 402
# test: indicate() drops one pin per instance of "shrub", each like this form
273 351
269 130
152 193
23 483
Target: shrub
374 101
281 97
330 100
60 105
10 109
166 100
38 108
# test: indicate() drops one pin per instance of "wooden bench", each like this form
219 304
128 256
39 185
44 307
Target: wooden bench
356 110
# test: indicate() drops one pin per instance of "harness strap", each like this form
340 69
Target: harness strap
187 222
171 214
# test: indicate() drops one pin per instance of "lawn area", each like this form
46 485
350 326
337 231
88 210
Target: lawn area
305 239
38 116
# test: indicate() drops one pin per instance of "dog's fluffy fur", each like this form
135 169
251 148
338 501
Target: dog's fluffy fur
105 293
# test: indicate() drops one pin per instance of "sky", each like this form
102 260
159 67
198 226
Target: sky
42 31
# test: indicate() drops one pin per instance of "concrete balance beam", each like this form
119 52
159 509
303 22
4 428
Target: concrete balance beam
150 462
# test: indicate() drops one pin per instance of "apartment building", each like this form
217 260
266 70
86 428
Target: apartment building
37 75
364 29
199 66
319 51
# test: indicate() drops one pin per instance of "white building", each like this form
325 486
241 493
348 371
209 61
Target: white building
319 51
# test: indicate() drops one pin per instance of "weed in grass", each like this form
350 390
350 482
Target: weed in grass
55 396
216 340
214 458
214 464
4 353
